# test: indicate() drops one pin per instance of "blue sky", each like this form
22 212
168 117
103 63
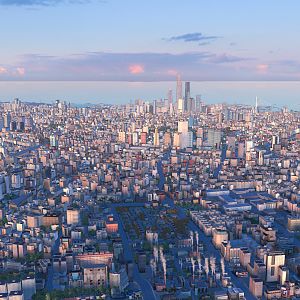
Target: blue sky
141 40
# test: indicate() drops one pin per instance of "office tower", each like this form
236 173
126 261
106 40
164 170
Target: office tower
187 94
220 118
135 138
1 123
170 96
73 216
129 138
186 140
260 158
256 105
248 118
154 107
275 141
146 129
178 88
213 138
189 105
7 120
231 139
53 141
144 137
183 126
16 104
156 138
176 139
241 149
187 90
16 180
198 103
13 126
122 136
180 105
199 137
167 139
249 146
199 142
171 108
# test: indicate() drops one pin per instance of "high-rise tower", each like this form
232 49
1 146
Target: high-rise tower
170 96
178 88
256 104
187 94
187 90
156 138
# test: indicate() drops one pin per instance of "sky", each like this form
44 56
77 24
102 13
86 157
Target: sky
142 40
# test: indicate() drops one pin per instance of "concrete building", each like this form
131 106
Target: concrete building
119 280
219 236
256 286
95 275
73 216
273 261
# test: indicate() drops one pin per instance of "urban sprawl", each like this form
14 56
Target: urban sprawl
164 199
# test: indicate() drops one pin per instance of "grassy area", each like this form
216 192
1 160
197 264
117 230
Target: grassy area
69 293
14 275
180 225
122 209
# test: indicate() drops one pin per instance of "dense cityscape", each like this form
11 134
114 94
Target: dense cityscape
160 199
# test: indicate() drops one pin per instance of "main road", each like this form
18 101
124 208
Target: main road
145 286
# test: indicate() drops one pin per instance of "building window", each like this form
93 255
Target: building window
272 271
273 260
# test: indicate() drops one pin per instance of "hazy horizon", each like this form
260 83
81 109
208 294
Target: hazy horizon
270 93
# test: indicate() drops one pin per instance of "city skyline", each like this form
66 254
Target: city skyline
277 94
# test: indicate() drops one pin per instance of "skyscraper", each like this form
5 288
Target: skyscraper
187 94
183 126
156 138
170 96
7 120
214 138
198 103
187 90
256 105
180 105
178 88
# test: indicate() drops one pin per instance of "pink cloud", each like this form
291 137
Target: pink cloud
262 68
3 70
20 71
136 69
